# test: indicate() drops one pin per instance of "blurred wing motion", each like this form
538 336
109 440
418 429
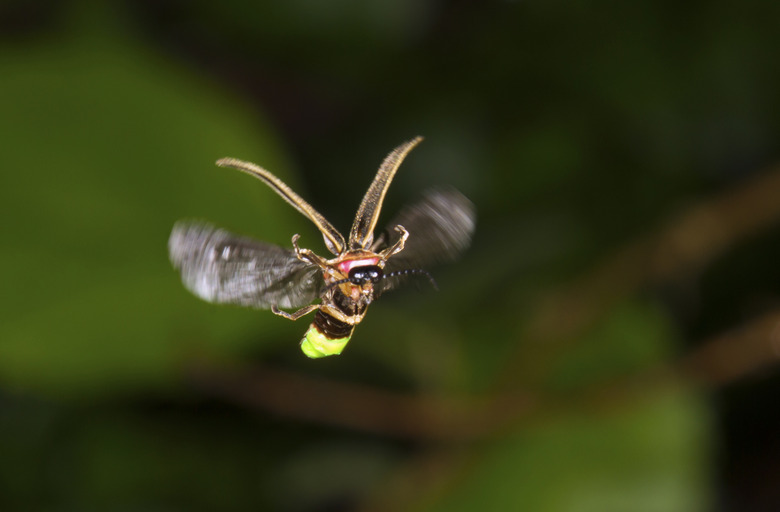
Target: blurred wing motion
440 228
218 266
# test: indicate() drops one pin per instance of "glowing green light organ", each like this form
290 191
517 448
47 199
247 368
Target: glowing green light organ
221 267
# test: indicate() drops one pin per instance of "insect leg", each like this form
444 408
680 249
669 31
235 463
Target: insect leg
306 255
295 316
398 246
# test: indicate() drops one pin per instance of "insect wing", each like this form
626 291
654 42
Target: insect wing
440 228
218 266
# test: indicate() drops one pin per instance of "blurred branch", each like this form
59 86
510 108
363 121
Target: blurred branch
717 362
735 354
681 248
358 407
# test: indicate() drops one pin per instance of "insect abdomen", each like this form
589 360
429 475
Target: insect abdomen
326 336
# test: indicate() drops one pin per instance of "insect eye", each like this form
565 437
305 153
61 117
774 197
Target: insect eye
362 275
357 276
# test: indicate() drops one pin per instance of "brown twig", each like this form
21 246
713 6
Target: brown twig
717 362
681 248
736 354
358 407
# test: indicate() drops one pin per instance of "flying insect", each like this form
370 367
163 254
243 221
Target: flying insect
221 267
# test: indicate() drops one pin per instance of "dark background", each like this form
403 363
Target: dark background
607 344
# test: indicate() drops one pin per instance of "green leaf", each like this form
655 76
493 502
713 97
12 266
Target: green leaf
110 146
646 457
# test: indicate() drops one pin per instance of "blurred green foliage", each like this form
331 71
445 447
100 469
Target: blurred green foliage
639 460
110 147
573 127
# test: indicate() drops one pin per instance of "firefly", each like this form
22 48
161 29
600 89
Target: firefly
221 267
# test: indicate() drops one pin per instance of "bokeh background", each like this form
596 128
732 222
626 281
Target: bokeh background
607 344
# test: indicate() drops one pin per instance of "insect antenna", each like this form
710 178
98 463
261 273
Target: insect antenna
337 283
409 271
397 273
